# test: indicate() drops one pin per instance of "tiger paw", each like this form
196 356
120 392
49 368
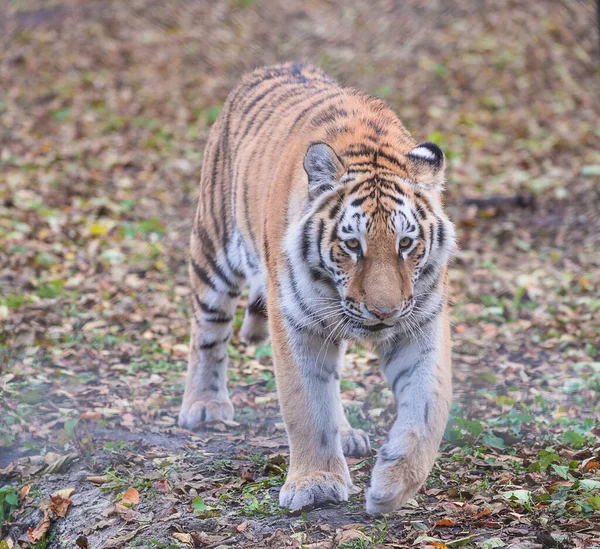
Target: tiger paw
355 443
393 484
194 414
315 489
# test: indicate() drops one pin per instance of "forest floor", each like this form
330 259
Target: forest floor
104 113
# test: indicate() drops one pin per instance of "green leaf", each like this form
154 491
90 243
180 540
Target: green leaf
522 497
428 539
574 439
589 484
490 439
562 471
12 499
199 505
263 351
61 114
460 541
594 501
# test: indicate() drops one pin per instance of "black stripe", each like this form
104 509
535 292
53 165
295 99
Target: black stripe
205 308
407 372
258 307
311 107
281 103
336 208
296 292
428 269
261 96
273 102
211 344
306 239
203 275
329 115
441 234
219 319
358 201
392 160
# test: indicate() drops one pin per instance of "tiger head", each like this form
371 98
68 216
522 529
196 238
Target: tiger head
381 235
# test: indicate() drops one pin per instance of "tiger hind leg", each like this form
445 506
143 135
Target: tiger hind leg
255 328
215 292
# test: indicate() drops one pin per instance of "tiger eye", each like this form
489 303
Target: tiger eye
405 243
353 244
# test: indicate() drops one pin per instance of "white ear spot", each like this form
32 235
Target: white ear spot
423 152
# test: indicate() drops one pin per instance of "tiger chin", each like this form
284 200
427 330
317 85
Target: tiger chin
318 199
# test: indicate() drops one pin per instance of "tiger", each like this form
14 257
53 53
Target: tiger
317 199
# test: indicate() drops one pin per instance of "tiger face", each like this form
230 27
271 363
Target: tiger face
381 238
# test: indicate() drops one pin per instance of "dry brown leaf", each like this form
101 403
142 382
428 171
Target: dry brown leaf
350 535
126 513
64 493
59 505
162 486
183 537
36 534
97 479
91 415
200 539
445 522
131 497
112 543
24 491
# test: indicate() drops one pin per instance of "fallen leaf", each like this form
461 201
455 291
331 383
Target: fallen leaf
200 539
131 497
349 536
183 537
59 505
64 493
24 491
126 513
34 535
445 522
242 527
162 486
112 543
97 479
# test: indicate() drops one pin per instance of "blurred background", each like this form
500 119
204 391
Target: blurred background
105 107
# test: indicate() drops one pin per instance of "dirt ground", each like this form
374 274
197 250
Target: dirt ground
104 111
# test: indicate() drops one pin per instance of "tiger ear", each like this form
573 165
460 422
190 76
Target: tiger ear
323 168
426 165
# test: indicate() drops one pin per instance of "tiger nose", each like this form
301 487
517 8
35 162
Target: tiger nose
382 312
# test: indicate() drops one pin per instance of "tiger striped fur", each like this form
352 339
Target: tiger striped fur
319 199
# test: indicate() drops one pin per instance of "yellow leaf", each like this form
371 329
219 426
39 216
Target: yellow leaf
97 229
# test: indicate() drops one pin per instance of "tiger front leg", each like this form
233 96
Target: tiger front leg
420 376
307 369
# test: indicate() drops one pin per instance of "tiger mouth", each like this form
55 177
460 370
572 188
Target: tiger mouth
371 327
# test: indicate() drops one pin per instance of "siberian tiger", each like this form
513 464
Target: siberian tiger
320 200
